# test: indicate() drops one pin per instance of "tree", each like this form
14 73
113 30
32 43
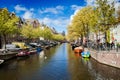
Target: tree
118 14
58 37
106 15
80 25
47 33
7 23
73 32
37 32
27 31
30 32
93 19
94 26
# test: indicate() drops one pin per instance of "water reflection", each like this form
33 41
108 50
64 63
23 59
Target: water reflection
57 63
103 72
89 69
76 68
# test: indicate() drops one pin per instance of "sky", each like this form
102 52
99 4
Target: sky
53 13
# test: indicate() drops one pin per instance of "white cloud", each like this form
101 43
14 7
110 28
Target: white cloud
59 23
60 7
117 5
110 1
71 17
28 15
19 8
31 9
55 10
90 2
51 10
75 7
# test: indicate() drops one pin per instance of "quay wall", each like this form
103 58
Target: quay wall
110 58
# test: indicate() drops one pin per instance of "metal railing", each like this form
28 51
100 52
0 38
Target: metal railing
103 46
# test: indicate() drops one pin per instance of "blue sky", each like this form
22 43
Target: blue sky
54 13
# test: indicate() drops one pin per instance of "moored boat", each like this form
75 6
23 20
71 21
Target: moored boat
78 49
73 46
85 53
1 61
32 51
23 53
38 49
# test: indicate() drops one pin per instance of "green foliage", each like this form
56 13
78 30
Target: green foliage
37 32
47 33
7 22
81 24
92 19
27 31
58 37
106 15
118 14
30 32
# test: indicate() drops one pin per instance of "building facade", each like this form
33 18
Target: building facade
115 33
33 22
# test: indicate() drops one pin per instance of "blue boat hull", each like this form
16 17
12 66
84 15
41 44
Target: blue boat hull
85 54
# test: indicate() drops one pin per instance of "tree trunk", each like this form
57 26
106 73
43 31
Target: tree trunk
97 36
4 41
105 36
0 41
81 39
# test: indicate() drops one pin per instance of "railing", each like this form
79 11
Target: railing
103 46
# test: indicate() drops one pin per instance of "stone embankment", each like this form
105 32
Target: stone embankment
7 56
111 58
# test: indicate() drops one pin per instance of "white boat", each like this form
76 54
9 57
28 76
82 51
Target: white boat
1 61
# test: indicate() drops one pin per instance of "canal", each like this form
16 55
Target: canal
57 63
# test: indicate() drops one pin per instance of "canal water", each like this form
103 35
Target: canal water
57 63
